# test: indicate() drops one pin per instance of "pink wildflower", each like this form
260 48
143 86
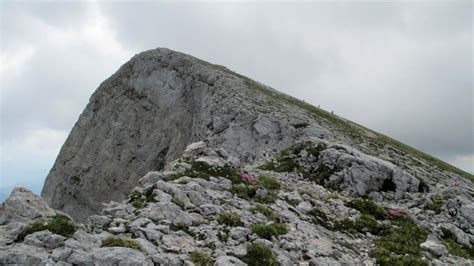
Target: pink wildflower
394 213
247 178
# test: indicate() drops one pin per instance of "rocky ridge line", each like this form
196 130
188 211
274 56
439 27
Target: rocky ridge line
303 207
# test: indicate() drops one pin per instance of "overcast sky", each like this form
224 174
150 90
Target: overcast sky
400 68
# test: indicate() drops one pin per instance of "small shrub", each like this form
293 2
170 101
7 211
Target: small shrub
400 243
319 216
346 225
270 197
229 218
454 248
367 223
316 150
368 207
243 190
30 229
307 192
258 255
268 230
201 259
320 175
284 163
58 224
268 182
265 210
386 258
61 225
204 171
113 241
292 202
436 205
139 201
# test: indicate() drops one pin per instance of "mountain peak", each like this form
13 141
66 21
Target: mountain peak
145 114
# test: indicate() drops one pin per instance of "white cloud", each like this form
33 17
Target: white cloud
50 66
40 143
12 62
26 159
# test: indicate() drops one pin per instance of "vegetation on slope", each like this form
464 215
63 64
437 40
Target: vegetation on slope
357 133
59 224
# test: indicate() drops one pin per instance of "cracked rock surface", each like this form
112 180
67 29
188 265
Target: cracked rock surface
210 208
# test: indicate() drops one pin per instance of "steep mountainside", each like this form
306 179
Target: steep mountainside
160 101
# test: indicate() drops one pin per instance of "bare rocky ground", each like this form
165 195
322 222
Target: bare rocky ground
311 205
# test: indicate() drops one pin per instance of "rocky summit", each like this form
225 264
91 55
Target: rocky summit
176 161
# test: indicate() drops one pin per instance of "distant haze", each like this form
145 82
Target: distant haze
402 68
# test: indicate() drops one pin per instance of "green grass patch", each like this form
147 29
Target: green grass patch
268 182
454 248
58 224
229 218
204 171
113 241
369 207
270 197
365 223
400 245
318 216
265 210
307 192
258 255
292 202
437 203
284 163
139 201
245 191
201 259
268 230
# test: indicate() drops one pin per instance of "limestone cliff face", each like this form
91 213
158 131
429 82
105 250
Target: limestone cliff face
145 115
160 101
